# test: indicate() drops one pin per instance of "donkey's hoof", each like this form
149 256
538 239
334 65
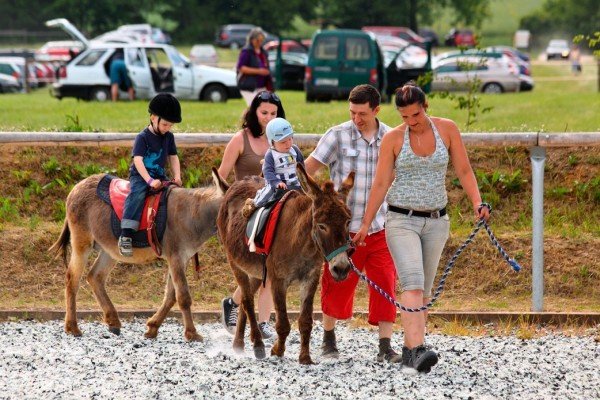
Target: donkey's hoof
259 352
72 329
75 332
193 337
114 330
151 334
306 361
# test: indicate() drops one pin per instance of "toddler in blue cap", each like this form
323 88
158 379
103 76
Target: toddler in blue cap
279 166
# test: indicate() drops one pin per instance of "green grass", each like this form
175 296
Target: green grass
558 103
501 25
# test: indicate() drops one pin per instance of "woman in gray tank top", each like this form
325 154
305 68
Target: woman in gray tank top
411 177
243 154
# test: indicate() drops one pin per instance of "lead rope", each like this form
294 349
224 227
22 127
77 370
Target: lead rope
511 261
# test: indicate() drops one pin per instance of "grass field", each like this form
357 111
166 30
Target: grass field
560 102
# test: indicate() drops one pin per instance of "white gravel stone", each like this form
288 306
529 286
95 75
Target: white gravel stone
38 360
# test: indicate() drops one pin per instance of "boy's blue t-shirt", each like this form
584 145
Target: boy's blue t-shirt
154 149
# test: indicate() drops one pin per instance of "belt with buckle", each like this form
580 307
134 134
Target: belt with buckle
424 214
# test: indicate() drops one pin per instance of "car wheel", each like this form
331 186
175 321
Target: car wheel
215 93
100 94
493 88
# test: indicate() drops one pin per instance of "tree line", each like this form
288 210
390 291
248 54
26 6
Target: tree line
197 20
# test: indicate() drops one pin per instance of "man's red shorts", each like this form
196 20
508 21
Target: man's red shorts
374 259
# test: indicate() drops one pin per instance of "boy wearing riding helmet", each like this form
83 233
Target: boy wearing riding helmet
279 166
151 148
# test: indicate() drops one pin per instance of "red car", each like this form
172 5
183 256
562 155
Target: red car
62 50
461 37
287 46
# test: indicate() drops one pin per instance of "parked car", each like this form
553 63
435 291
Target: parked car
460 37
558 48
339 60
401 67
429 35
234 35
287 46
15 67
521 54
58 50
9 84
293 67
121 37
142 31
398 31
520 58
152 68
494 75
204 54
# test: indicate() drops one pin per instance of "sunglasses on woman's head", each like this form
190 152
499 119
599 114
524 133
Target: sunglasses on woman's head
266 96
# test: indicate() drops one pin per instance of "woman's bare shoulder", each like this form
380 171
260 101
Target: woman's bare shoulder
444 123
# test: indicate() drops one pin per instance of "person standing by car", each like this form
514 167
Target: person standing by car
354 146
575 56
243 155
411 178
253 73
119 78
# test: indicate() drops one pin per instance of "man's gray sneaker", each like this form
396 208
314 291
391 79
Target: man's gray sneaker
265 330
229 314
390 355
125 246
329 348
419 358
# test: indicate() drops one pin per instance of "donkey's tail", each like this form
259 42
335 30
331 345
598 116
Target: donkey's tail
60 247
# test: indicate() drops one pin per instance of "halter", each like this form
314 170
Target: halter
345 247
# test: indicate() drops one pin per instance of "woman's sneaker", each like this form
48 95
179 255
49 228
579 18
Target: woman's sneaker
265 330
419 358
229 314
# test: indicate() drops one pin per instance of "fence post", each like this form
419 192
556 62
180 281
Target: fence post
538 159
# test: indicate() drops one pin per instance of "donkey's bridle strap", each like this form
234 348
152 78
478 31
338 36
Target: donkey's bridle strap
345 247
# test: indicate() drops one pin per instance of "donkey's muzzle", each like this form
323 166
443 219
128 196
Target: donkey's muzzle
340 267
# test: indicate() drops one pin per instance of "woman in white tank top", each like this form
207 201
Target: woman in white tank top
411 176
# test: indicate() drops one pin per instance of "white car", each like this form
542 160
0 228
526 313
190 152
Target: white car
493 75
9 84
152 68
205 54
558 48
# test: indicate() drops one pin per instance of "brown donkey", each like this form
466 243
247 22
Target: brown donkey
191 220
311 226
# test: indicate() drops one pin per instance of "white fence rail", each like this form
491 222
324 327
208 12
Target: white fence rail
497 139
537 142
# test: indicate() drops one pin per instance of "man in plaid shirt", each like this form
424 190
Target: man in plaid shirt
354 146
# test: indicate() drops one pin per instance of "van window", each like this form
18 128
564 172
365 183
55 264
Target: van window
91 58
326 48
357 49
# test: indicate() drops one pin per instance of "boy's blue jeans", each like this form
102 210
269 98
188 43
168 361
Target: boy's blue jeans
134 203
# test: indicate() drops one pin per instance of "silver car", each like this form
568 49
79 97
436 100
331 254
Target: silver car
492 75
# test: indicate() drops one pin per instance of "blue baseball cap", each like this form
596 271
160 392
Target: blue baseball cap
279 129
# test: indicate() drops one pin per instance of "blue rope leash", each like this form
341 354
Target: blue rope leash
438 291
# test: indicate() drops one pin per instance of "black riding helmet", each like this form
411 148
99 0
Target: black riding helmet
166 106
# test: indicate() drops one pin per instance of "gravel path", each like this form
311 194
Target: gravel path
37 360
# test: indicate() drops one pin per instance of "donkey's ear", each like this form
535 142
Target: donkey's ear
219 182
346 186
309 186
